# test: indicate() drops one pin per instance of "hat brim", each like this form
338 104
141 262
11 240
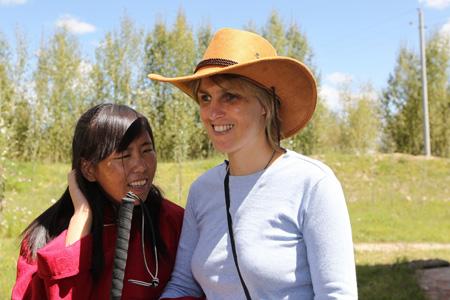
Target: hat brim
293 82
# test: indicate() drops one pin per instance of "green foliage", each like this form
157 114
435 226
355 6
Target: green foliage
360 123
174 116
402 101
40 103
59 101
116 72
6 97
39 118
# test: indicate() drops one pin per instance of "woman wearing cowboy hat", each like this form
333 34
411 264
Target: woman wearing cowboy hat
268 223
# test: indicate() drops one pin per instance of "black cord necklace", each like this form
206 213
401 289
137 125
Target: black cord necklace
265 167
230 224
271 157
154 277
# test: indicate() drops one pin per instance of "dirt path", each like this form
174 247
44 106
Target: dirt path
369 247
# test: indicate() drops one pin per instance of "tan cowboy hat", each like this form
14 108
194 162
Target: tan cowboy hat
247 54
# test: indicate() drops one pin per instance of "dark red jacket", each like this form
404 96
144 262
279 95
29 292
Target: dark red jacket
61 272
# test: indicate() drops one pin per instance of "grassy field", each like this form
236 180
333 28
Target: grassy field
391 198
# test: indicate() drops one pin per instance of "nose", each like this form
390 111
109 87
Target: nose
138 164
215 110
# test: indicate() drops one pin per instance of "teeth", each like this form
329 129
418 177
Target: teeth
138 183
222 128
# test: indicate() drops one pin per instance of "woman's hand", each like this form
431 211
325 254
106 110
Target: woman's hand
81 221
79 201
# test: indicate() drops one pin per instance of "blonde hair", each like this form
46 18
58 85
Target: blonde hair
267 98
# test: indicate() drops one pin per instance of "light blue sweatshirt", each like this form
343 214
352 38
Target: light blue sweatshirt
291 228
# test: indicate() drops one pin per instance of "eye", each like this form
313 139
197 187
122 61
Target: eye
204 98
148 150
230 96
122 155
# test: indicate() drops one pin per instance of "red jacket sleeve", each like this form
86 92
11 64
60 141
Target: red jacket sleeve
56 271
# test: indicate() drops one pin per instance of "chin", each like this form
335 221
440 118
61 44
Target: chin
222 148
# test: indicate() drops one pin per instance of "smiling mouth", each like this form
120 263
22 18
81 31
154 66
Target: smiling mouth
222 128
138 183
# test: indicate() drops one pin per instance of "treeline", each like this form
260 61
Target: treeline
42 94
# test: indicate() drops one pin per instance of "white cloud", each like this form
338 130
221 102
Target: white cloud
445 30
331 96
74 25
438 4
12 2
338 78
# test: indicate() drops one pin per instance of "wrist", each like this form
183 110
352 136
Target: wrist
83 209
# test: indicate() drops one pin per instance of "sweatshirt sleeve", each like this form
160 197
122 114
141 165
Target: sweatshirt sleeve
328 238
56 261
182 282
56 270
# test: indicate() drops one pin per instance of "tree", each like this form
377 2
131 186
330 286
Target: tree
173 52
401 105
22 107
402 101
360 122
6 96
58 101
117 68
438 75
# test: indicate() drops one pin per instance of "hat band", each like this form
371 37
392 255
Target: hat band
215 62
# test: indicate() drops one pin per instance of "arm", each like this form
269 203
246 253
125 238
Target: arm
57 263
182 282
81 221
24 287
56 270
328 239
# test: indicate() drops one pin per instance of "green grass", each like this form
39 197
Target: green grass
391 198
393 281
394 198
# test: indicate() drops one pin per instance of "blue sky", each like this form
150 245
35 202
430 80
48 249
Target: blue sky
357 40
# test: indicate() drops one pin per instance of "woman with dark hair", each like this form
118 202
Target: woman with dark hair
67 252
269 223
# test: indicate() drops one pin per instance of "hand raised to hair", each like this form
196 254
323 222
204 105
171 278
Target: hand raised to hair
81 221
79 201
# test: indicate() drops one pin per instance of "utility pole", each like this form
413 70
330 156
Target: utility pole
426 126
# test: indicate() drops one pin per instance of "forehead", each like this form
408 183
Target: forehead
141 139
209 84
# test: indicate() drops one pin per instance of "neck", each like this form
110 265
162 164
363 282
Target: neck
248 162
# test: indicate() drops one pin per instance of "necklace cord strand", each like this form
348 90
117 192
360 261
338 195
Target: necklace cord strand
265 167
155 279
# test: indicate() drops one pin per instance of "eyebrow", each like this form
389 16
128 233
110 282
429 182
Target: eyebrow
199 91
147 144
141 145
222 89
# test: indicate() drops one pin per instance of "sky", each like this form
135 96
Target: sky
351 40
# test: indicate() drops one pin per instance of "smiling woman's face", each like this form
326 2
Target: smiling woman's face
234 119
131 170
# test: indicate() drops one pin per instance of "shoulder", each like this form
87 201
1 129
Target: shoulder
171 210
171 217
301 166
209 179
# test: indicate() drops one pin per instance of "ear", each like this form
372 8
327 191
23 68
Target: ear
87 169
